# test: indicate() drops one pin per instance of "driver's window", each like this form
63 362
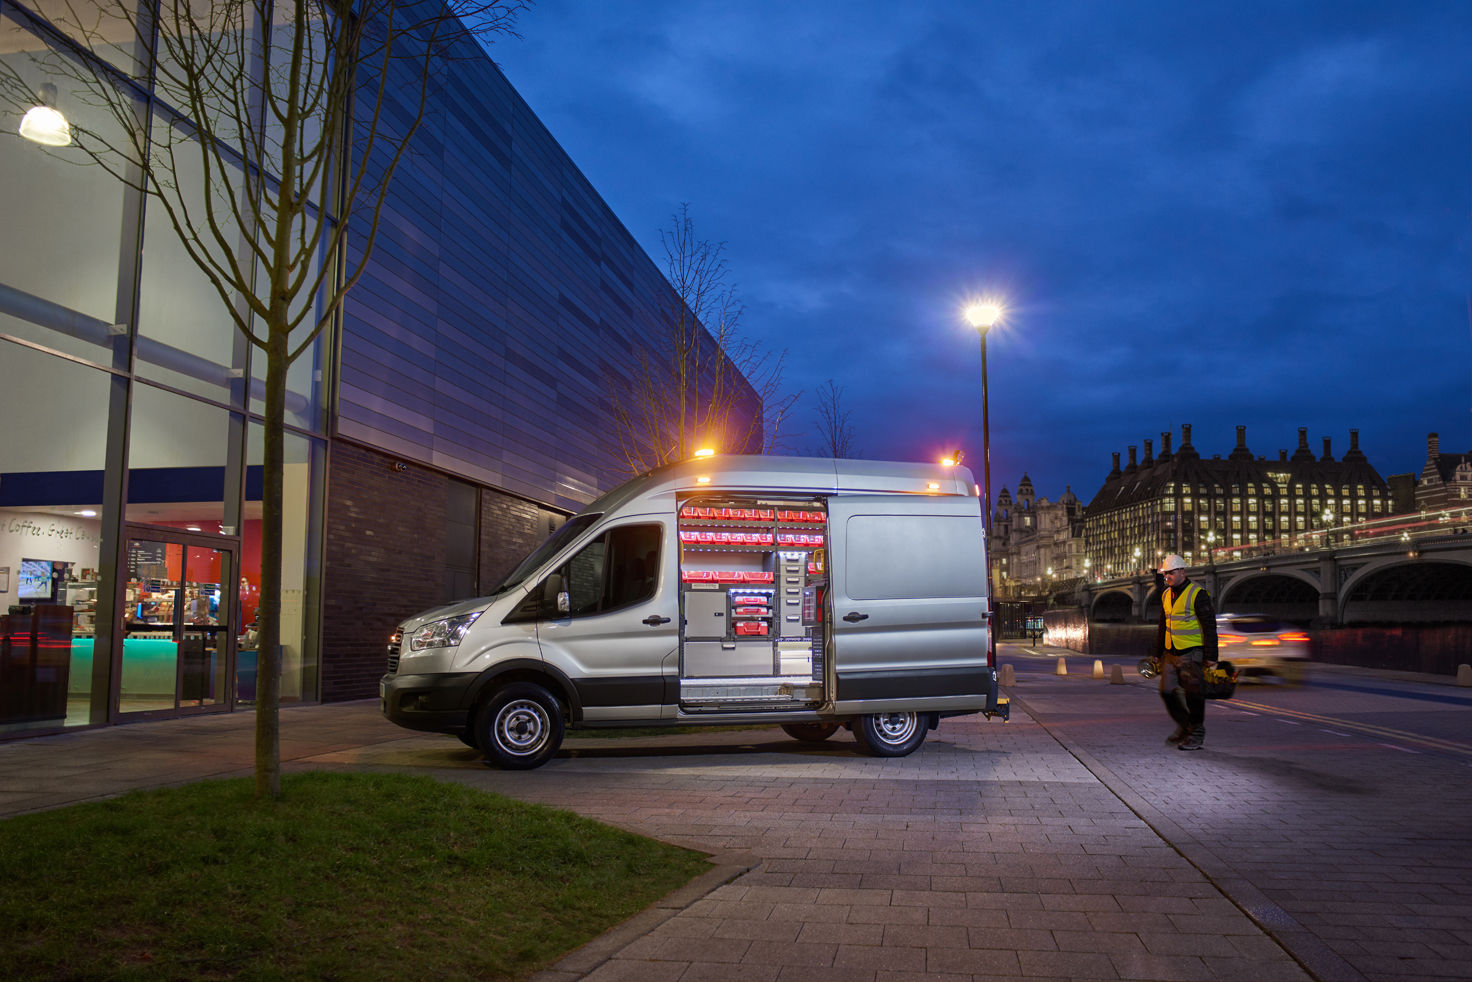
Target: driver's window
618 569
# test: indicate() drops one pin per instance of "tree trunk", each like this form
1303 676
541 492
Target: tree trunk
268 677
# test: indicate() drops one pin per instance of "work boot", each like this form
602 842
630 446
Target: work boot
1177 736
1195 738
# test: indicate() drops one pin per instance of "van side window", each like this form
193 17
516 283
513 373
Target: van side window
618 569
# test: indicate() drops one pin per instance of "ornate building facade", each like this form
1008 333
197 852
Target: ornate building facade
1037 545
1446 480
1179 502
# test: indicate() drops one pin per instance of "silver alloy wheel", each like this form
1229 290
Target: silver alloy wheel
522 727
896 728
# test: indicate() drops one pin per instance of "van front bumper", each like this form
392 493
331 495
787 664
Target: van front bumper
432 703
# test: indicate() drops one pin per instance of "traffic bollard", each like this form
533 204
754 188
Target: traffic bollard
1006 676
1098 668
1116 675
1062 667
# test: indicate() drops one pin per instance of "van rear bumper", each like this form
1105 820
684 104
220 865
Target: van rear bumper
431 703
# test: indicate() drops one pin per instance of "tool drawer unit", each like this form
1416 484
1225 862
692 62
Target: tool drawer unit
752 572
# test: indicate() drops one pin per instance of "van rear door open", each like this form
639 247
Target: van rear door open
909 600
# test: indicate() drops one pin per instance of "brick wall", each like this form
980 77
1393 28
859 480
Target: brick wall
509 529
385 557
384 560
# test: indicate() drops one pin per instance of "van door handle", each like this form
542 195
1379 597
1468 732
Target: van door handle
654 620
853 617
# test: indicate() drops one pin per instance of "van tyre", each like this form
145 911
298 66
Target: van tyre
810 732
890 734
521 727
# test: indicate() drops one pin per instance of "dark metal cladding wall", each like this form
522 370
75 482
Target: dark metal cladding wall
500 285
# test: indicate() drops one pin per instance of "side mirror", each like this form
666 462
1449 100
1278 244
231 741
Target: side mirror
564 603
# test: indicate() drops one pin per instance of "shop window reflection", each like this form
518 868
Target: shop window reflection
51 485
301 567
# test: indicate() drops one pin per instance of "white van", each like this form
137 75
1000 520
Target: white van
815 594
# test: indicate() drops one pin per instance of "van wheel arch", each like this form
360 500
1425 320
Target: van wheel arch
498 677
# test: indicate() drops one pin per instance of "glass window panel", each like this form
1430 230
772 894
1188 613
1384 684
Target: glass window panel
52 457
108 30
206 49
63 219
187 336
178 452
305 460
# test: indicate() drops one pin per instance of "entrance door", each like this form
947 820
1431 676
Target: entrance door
176 613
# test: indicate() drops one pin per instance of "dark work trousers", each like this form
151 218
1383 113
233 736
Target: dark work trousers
1187 709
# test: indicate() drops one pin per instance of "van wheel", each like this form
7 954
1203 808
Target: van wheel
521 727
810 732
890 734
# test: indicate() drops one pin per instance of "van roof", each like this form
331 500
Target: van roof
746 474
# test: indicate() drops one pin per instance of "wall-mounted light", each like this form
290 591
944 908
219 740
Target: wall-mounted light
44 125
399 466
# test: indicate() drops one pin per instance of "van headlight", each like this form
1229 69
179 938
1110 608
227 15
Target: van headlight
446 633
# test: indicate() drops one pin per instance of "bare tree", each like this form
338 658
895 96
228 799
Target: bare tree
297 114
697 381
834 431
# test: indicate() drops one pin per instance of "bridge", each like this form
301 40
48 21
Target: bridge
1405 569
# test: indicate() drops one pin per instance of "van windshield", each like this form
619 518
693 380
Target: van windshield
570 530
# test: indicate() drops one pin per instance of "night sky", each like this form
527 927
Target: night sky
1216 214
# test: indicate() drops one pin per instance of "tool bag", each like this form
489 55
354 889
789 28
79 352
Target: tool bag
1219 681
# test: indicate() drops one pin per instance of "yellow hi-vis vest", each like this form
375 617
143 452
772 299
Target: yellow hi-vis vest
1182 629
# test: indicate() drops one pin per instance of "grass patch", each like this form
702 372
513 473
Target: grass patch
644 731
349 876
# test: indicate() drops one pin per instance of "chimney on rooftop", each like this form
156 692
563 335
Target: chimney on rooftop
1282 456
1115 472
1303 453
1133 465
1328 457
1433 448
1149 460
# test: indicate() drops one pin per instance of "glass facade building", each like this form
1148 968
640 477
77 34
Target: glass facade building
451 417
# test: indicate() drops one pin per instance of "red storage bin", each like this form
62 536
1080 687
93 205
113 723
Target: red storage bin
696 576
727 577
759 577
752 627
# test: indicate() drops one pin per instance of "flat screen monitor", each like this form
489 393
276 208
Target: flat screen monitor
35 579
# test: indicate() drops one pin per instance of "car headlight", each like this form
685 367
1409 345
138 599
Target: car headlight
447 633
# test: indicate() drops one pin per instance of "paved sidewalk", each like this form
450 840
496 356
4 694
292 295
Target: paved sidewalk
1353 851
991 853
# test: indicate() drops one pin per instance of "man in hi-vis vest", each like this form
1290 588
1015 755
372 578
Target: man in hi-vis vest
1185 644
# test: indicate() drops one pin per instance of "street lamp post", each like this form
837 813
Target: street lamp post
982 317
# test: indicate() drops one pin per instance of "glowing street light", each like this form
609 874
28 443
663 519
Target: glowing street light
982 317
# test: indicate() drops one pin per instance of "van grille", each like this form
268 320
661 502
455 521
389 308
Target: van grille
393 652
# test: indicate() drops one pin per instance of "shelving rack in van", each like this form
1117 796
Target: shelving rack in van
752 574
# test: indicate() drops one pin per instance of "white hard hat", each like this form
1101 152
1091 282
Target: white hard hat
1172 562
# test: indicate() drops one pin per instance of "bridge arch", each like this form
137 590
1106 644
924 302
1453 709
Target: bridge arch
1406 590
1112 606
1290 594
